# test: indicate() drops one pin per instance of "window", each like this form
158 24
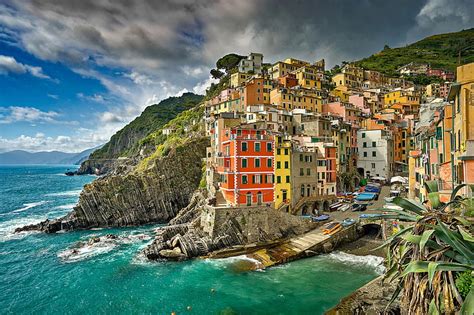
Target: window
278 165
374 153
373 165
257 162
286 164
269 162
269 147
257 179
287 179
239 132
270 179
308 171
302 190
278 151
301 171
286 151
257 146
374 144
244 179
365 154
364 145
278 179
363 135
301 157
244 163
244 146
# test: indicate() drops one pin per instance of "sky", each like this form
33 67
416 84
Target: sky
72 73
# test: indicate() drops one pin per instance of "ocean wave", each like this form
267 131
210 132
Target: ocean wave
250 263
7 228
70 193
30 205
69 206
375 262
87 251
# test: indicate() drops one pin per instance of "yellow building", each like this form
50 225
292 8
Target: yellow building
462 93
351 77
238 78
282 189
308 77
342 93
401 97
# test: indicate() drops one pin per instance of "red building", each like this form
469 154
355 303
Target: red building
245 168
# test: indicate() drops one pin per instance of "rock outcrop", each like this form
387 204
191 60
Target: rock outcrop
153 193
210 229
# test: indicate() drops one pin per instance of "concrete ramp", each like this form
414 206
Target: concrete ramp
290 250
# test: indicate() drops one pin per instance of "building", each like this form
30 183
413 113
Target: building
245 166
401 96
282 167
238 79
252 64
375 149
462 96
414 68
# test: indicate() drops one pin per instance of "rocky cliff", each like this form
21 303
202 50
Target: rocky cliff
124 146
153 192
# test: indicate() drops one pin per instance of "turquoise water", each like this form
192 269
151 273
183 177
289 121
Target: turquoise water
36 278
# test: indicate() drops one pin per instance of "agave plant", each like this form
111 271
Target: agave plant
426 254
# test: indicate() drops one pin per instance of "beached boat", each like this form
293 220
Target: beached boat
320 218
348 222
335 206
332 228
344 207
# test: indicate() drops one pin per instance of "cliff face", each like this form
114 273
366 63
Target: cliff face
125 144
153 193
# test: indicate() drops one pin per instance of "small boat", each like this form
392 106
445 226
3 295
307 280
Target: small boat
334 206
344 207
347 222
322 217
332 228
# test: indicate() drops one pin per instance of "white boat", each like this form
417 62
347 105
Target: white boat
344 207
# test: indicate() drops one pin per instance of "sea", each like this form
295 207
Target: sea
58 274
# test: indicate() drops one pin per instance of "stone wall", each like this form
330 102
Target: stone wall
254 222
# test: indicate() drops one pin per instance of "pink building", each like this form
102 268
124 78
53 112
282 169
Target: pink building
360 102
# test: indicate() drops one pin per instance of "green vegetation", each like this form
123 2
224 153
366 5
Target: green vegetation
425 257
440 51
229 62
126 141
183 125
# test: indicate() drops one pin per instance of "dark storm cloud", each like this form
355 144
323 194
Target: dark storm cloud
168 46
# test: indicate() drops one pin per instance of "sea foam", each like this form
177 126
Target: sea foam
375 262
30 205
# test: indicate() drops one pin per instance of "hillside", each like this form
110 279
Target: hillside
440 51
152 118
51 157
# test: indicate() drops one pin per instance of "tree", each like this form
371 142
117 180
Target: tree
229 62
386 47
430 253
217 74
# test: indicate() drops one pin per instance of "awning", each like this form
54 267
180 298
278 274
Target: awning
453 91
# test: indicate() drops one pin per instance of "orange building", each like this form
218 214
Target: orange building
254 93
246 171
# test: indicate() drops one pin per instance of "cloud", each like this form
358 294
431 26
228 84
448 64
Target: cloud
93 98
53 96
28 114
145 51
41 142
10 65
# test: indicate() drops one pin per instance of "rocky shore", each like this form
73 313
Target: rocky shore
150 193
